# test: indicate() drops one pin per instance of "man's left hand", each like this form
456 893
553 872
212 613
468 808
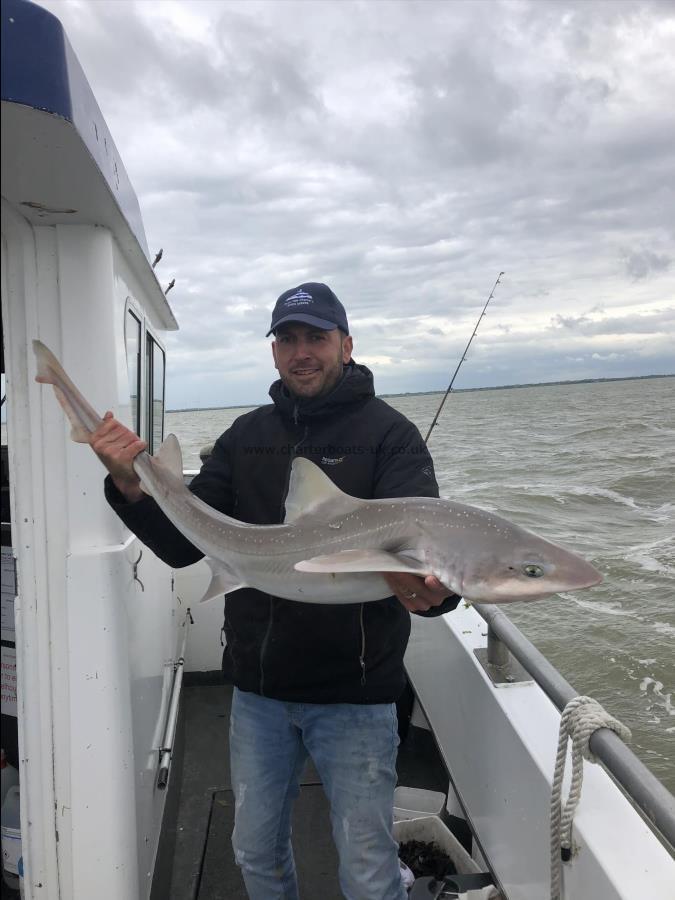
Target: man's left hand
415 593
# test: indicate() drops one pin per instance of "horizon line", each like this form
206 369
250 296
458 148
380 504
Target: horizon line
494 387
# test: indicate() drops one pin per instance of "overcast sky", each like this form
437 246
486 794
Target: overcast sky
405 153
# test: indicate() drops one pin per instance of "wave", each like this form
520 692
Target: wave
603 607
607 608
654 690
650 563
585 491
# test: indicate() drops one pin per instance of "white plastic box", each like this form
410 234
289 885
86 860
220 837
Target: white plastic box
415 803
431 830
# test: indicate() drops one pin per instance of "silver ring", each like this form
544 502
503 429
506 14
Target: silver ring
411 595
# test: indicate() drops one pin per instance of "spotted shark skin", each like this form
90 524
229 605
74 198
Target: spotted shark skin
333 548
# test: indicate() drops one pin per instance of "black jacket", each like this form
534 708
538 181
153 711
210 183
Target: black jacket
294 651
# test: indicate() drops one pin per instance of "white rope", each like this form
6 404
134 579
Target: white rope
580 718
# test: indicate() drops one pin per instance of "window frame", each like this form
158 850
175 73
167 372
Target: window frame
146 375
130 312
152 345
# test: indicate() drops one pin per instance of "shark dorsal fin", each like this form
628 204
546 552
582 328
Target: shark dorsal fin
311 494
169 457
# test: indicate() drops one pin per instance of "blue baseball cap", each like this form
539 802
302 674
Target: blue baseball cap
311 303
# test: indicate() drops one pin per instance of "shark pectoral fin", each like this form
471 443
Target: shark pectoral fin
223 581
362 561
312 495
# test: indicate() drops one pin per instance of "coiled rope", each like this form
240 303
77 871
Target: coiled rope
580 718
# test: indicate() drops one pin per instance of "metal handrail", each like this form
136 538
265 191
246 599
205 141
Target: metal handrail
166 750
650 796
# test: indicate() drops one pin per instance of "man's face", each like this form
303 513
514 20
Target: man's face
310 360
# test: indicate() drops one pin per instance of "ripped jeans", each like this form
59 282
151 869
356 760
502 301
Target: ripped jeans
354 750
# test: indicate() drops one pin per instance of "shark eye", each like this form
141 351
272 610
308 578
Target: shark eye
532 570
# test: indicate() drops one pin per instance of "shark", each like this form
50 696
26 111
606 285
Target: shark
332 548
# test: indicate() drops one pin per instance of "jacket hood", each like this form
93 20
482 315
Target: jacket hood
355 385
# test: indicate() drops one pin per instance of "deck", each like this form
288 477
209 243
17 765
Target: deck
196 850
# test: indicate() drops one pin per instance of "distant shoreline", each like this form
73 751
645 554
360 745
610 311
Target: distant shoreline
500 387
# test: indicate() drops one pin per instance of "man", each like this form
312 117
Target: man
317 680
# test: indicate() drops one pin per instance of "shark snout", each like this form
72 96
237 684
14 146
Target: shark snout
529 576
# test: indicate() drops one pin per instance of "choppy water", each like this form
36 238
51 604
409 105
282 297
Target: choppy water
591 466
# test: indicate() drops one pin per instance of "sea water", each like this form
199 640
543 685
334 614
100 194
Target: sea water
591 466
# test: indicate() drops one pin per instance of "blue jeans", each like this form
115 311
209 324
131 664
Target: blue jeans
354 750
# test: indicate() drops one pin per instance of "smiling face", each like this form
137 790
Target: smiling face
310 360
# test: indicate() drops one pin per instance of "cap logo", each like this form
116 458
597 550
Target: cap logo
299 298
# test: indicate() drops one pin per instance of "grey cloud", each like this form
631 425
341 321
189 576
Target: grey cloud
656 322
643 263
275 75
571 322
461 108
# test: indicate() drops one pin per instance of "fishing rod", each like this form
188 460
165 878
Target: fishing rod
459 364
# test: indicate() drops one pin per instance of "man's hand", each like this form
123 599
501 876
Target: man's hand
415 593
117 446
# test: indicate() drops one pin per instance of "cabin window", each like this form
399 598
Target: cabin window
156 365
132 332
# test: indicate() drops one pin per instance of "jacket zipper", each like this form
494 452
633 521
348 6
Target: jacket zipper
362 656
263 646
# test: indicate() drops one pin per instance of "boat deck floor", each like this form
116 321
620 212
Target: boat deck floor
200 856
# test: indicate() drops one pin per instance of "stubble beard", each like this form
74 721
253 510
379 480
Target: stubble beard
309 391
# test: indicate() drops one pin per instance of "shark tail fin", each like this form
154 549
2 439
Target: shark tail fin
78 432
50 371
47 364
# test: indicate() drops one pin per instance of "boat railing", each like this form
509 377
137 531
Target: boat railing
649 795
